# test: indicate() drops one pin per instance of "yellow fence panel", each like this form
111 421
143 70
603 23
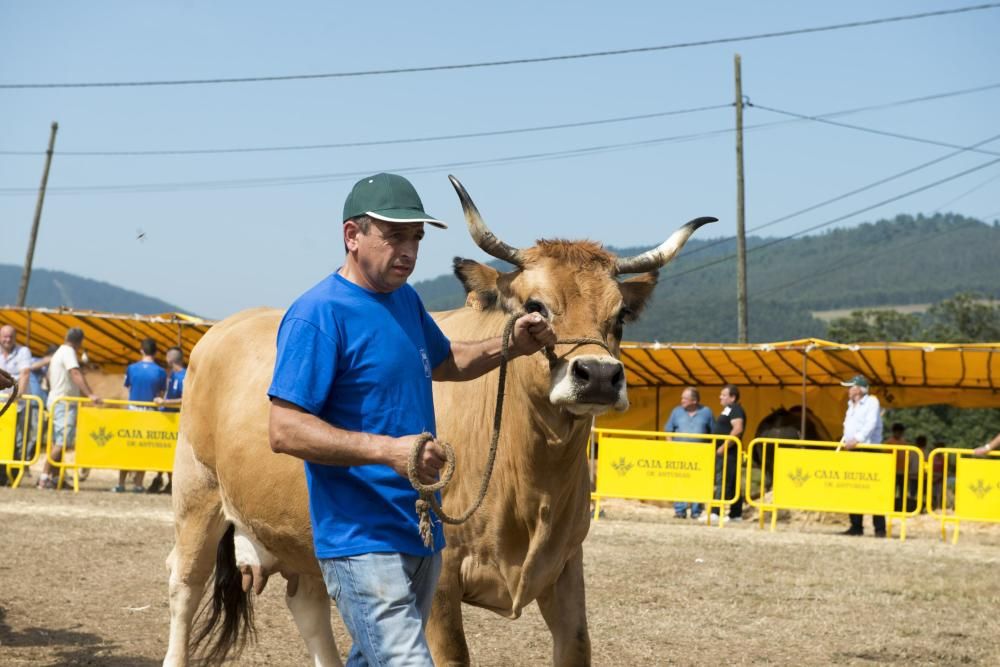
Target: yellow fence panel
832 481
820 476
655 465
13 458
119 435
976 483
126 439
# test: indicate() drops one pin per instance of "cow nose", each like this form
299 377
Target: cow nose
597 379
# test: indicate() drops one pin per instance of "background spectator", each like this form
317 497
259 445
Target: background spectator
146 381
689 417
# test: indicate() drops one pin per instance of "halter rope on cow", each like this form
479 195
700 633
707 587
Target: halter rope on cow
427 500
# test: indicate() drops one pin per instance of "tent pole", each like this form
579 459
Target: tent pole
805 361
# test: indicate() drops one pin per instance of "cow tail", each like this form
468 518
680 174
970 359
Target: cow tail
226 620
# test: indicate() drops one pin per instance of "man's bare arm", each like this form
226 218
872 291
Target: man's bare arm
469 360
298 433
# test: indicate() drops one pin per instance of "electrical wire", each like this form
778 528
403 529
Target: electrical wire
378 142
507 62
885 133
837 219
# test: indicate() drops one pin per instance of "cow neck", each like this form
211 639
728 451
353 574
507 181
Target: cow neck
556 431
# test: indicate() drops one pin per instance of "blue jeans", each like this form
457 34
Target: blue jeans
680 509
385 600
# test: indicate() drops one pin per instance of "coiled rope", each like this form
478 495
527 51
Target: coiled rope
427 500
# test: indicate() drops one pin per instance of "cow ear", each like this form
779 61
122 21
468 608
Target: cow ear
636 292
480 282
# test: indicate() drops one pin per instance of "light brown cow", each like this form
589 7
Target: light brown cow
243 509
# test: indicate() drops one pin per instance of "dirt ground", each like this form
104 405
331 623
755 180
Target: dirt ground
83 582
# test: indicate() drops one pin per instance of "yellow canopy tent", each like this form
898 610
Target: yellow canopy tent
805 372
111 339
770 376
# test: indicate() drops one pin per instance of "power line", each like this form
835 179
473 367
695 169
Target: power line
851 193
513 61
968 192
384 142
840 218
870 130
306 179
467 135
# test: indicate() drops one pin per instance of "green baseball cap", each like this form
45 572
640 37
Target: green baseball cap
856 381
387 197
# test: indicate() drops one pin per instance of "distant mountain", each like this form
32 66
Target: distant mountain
52 289
902 261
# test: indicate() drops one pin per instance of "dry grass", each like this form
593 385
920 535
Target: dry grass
83 583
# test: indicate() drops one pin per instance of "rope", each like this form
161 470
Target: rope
427 500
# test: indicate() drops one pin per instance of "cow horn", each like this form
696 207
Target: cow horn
659 257
480 233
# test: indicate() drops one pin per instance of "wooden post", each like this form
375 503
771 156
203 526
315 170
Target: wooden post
741 241
22 293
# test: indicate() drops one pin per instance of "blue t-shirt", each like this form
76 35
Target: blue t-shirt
361 361
681 422
145 381
175 387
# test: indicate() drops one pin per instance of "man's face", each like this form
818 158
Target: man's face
854 393
387 254
8 338
726 399
687 400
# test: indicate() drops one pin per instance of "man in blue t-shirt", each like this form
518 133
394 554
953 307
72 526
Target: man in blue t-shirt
689 417
351 391
146 380
170 402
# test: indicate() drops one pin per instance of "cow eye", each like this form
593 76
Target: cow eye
535 306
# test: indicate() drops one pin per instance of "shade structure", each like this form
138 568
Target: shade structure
786 375
772 377
111 340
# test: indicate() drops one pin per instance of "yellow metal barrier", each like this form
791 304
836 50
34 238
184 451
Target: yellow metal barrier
821 477
976 489
15 459
655 465
138 436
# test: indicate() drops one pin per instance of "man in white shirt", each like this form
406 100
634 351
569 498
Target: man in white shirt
65 380
862 425
16 360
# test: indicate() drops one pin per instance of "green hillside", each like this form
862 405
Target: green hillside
890 262
52 289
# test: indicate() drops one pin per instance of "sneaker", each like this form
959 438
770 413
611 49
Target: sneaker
118 489
879 533
736 519
155 485
138 489
853 532
695 517
46 483
713 519
680 516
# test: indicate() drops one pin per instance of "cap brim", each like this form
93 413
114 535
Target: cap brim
846 384
405 215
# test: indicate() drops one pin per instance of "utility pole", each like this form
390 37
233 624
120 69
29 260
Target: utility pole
741 237
26 274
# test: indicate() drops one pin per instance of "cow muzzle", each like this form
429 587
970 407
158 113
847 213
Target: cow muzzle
590 385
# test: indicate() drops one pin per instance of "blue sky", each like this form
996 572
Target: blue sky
217 251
